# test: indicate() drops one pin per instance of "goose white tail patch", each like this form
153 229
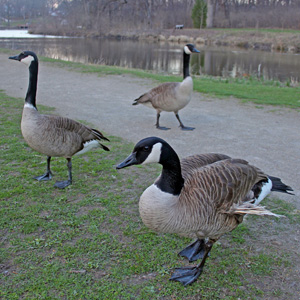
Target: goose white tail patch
87 146
27 60
154 155
265 191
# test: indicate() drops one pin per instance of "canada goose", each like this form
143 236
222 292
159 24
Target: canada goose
203 197
171 96
53 135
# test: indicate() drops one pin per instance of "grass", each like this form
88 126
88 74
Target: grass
265 30
88 241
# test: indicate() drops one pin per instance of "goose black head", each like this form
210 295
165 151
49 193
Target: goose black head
190 48
25 57
148 150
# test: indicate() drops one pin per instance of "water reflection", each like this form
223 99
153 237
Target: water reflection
164 58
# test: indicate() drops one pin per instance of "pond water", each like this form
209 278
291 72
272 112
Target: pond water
165 58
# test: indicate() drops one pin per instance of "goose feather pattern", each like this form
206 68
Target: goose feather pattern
64 138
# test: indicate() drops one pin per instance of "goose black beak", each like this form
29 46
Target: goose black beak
16 57
196 50
129 161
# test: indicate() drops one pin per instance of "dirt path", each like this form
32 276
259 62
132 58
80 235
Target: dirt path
267 137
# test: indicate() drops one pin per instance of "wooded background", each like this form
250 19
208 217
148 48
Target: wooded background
120 15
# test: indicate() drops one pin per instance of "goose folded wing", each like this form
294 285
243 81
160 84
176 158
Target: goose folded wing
73 127
225 185
157 94
163 94
193 162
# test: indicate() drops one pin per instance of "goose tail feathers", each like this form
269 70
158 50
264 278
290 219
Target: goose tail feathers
279 186
136 101
104 147
99 135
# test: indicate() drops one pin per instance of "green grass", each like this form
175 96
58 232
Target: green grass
264 30
88 241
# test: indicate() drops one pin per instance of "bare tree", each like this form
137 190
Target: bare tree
102 16
211 6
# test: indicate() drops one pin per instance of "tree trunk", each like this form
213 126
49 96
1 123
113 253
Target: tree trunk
210 13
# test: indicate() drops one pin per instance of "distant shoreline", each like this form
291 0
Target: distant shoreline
260 39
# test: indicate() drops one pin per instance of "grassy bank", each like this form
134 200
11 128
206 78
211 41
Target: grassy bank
256 90
88 242
267 39
247 89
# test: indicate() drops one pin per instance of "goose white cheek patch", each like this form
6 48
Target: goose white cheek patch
154 155
187 50
27 60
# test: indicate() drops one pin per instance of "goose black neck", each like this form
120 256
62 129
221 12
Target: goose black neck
32 86
186 65
170 180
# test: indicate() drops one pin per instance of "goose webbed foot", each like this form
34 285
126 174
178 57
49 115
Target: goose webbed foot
194 251
162 128
62 184
185 128
181 124
186 275
44 177
48 174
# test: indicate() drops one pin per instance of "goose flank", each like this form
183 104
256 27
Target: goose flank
202 196
53 135
171 96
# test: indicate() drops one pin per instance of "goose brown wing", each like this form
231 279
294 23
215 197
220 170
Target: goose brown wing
190 163
158 94
224 184
86 133
70 132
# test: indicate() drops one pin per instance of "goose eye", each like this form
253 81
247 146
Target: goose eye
146 148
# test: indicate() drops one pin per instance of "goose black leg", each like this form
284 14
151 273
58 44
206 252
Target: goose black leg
194 251
188 275
157 123
48 174
181 124
63 184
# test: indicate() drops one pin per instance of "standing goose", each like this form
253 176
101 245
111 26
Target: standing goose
203 197
171 96
53 135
